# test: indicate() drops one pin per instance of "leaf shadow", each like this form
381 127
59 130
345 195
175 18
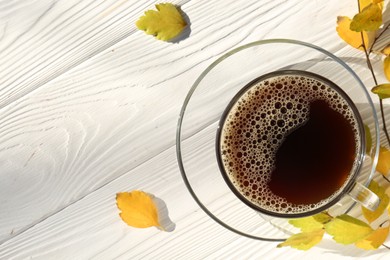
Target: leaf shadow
163 213
187 30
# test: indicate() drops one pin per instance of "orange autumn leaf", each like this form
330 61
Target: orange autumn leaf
138 209
374 240
383 165
380 2
353 38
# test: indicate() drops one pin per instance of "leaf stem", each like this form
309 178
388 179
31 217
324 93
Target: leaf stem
384 177
384 222
386 246
377 37
369 64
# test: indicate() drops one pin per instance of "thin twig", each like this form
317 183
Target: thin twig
386 246
369 64
384 222
384 177
377 37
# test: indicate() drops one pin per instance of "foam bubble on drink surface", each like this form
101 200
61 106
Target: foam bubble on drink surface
257 125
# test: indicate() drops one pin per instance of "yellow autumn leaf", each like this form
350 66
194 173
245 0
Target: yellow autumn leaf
353 38
380 191
363 4
138 209
369 19
166 23
347 230
311 223
377 1
386 65
305 240
383 165
386 51
374 240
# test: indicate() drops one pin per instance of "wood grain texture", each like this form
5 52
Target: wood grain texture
41 40
89 107
92 229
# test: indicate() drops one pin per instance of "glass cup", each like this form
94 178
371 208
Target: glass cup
212 96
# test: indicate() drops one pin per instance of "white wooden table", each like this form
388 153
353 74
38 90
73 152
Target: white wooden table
89 107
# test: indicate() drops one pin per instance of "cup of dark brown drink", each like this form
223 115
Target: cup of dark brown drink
279 128
291 143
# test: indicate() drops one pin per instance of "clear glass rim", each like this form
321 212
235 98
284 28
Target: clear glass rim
222 58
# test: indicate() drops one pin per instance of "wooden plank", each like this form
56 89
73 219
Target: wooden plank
101 109
106 116
92 229
40 40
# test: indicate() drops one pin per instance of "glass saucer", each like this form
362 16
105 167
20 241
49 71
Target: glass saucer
208 99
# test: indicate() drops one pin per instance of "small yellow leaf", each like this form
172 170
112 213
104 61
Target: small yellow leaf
388 194
377 1
138 209
311 223
380 191
363 4
374 240
353 38
386 51
386 66
347 230
369 19
166 23
382 90
383 165
305 240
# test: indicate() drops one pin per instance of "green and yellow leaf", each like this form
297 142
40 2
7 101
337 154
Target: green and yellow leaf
382 90
369 19
374 240
347 230
386 64
351 37
165 24
138 209
383 165
380 191
305 240
368 138
311 223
